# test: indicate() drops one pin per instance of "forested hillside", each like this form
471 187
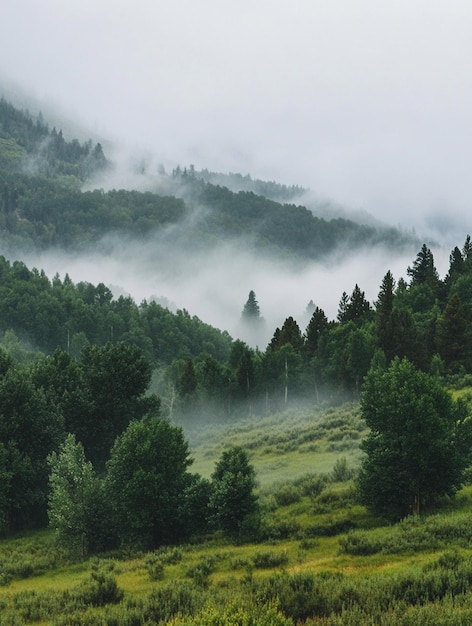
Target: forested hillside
99 393
41 204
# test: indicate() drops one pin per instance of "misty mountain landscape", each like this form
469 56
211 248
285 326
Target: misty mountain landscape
235 313
224 233
207 379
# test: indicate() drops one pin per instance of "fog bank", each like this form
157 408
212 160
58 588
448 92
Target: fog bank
214 284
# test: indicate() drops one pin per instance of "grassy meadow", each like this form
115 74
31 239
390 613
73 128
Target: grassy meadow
321 558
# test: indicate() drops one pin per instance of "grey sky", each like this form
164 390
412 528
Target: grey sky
366 102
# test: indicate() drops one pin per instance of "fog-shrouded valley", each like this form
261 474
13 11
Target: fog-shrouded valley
209 269
235 313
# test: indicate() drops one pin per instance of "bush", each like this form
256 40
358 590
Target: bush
287 495
155 566
268 560
341 471
201 571
100 589
172 599
359 544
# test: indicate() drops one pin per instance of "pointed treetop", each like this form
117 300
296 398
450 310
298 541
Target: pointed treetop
251 309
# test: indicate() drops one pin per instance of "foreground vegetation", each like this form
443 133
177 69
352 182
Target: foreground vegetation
267 527
321 558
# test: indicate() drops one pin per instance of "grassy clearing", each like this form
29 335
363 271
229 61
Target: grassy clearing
284 446
322 559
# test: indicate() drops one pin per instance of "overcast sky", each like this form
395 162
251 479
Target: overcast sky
364 101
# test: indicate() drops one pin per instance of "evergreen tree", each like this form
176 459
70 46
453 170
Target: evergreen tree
454 337
251 311
384 310
423 270
289 333
316 326
342 308
358 306
456 267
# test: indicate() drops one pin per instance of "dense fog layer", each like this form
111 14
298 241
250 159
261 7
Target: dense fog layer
214 284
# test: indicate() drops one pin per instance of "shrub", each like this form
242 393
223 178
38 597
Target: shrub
359 544
201 571
171 599
341 471
100 589
287 495
155 566
268 560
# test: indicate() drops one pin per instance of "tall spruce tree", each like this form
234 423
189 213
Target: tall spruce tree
383 310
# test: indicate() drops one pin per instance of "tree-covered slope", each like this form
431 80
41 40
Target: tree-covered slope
47 315
41 204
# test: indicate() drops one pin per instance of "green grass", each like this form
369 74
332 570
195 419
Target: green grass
286 445
317 543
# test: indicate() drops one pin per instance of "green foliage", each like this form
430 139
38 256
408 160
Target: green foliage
419 444
78 508
270 559
233 501
156 561
341 471
99 589
146 479
412 535
117 377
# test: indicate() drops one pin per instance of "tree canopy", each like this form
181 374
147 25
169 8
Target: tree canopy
419 442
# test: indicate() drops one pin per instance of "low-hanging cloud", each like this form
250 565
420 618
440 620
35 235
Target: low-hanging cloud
214 284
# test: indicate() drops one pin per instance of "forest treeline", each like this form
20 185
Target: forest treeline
83 445
95 382
426 319
201 370
42 205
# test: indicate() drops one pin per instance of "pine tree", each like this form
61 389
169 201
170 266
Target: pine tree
316 326
384 309
424 270
251 309
454 336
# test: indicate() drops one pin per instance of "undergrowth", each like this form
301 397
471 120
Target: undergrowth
321 558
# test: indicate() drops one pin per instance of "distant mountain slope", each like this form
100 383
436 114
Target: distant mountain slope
27 144
41 204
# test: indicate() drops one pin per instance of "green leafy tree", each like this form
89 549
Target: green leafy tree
188 380
146 482
117 377
30 429
419 442
233 501
360 350
77 509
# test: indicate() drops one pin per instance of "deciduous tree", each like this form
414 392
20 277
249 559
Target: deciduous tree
233 500
419 441
146 481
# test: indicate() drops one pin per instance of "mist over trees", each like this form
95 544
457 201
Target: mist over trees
94 389
42 205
